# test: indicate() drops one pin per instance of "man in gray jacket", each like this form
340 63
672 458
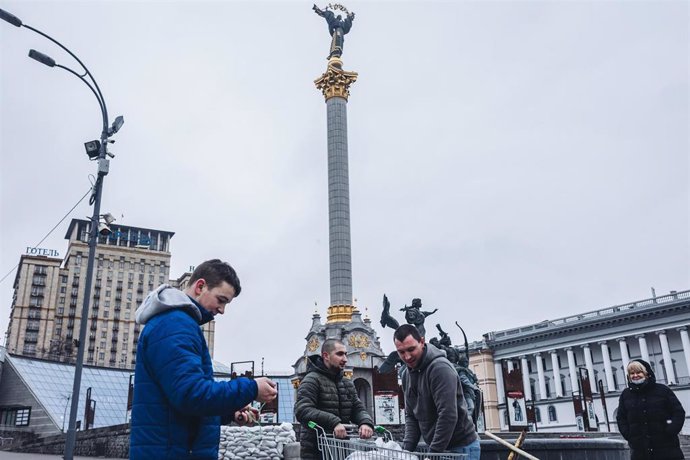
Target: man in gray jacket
435 408
327 398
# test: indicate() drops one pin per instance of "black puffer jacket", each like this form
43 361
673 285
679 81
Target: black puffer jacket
650 418
328 400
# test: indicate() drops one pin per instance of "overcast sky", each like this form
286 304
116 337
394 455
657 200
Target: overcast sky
510 162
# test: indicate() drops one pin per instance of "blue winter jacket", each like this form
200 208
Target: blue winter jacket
177 405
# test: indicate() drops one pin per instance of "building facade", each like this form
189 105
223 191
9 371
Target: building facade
49 292
551 353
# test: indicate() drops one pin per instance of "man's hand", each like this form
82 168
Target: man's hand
246 416
365 432
267 389
339 431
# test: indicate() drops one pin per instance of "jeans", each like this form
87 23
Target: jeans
473 450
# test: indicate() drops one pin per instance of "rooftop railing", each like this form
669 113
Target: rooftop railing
673 296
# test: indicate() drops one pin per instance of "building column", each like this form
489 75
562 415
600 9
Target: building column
644 351
525 378
556 374
500 389
668 362
686 345
540 376
590 368
624 353
610 385
572 370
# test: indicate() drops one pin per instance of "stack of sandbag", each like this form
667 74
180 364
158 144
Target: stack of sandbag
257 442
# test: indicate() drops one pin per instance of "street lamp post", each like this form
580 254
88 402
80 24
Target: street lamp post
103 167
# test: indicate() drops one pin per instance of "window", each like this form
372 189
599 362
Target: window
552 414
101 356
15 416
61 310
537 415
103 335
63 279
63 289
61 300
77 260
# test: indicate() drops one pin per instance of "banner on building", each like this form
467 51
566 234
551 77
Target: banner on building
387 409
591 422
515 396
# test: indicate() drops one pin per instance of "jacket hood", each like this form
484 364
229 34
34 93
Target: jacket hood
651 378
315 364
167 298
430 353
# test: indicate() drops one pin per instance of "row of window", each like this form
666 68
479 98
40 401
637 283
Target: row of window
551 410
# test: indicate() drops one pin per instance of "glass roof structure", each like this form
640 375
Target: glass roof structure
51 383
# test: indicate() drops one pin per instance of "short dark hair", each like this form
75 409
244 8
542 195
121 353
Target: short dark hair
329 345
214 272
406 330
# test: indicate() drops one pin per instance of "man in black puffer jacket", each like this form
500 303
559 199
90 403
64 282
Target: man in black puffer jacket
649 416
328 399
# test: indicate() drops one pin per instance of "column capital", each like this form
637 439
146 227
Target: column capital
335 82
602 342
584 346
537 354
553 352
522 356
661 332
682 328
639 336
568 348
620 339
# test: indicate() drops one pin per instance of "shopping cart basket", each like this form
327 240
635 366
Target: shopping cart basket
369 449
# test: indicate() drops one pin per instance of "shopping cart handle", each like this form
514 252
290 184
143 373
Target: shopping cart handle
379 429
312 425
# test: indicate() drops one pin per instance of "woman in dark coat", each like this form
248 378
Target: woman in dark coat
649 416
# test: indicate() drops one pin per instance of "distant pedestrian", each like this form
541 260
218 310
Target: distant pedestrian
178 406
649 416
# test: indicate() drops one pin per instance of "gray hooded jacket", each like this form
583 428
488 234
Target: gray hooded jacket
434 405
166 298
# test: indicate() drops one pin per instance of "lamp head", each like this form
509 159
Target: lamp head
117 124
12 19
108 218
42 58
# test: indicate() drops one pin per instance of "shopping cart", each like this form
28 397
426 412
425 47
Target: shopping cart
380 448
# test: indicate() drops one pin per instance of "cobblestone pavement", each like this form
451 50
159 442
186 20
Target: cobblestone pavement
16 456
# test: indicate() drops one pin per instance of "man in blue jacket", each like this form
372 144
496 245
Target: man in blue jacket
177 407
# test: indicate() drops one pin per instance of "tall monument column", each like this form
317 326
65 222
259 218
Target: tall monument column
335 84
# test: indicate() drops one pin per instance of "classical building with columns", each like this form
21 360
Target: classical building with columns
602 342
